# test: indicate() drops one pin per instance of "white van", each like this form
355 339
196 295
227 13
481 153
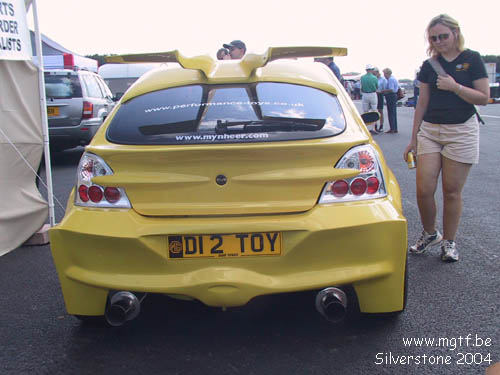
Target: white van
119 77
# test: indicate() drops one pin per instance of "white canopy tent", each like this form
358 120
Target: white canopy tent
23 130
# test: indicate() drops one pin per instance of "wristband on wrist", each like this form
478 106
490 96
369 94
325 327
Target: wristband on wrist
459 89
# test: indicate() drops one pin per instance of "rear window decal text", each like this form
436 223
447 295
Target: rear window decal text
191 105
220 137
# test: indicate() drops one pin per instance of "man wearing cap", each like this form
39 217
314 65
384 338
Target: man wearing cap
236 49
369 85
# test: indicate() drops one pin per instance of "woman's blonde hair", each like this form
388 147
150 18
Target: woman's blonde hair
452 24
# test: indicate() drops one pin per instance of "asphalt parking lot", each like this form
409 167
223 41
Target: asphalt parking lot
275 335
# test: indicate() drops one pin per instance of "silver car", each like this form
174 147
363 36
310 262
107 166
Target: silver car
77 104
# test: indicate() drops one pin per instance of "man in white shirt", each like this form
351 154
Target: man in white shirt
391 99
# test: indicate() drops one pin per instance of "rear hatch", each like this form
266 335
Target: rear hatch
226 150
225 179
64 98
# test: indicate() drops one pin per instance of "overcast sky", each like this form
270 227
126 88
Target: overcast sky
383 33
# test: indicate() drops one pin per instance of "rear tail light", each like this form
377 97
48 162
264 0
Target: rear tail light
368 184
83 193
358 186
340 188
373 185
112 194
88 109
89 194
95 193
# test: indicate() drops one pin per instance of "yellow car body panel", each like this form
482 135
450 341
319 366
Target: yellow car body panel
119 250
273 188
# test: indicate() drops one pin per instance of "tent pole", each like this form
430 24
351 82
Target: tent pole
43 107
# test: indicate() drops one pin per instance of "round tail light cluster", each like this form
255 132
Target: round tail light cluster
89 194
96 194
357 187
366 185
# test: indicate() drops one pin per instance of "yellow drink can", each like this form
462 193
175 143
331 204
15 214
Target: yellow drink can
412 162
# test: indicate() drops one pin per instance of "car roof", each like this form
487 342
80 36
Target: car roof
68 71
278 64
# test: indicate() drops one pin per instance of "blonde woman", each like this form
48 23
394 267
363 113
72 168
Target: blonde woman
445 133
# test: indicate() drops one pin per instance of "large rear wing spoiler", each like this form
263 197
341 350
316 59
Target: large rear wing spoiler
249 64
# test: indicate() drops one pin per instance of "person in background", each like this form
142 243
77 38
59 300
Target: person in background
382 82
416 88
350 88
223 54
446 131
237 49
357 90
369 86
391 99
328 61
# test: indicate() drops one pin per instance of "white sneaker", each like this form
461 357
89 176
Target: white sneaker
449 251
425 241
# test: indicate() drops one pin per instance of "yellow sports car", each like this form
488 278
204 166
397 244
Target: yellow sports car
221 181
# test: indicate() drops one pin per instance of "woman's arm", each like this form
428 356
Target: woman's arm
479 94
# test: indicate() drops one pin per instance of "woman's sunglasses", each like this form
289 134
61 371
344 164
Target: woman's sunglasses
441 37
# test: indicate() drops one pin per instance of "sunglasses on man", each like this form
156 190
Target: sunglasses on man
441 37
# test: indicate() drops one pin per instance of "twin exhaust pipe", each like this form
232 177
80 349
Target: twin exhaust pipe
332 304
124 306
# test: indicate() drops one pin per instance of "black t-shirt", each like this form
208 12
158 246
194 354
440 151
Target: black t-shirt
445 107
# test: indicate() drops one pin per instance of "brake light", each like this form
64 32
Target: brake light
88 109
95 193
83 193
112 194
89 194
340 188
373 185
68 60
358 186
368 184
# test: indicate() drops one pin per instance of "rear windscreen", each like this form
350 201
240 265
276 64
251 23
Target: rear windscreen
62 86
197 114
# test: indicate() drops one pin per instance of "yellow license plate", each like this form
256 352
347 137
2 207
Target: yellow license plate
224 245
52 111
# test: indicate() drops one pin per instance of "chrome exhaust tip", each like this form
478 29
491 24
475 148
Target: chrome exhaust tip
122 307
332 304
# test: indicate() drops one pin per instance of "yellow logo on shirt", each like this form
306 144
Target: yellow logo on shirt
462 67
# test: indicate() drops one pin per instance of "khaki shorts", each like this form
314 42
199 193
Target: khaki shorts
459 142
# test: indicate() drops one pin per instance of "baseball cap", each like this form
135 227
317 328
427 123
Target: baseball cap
369 67
235 44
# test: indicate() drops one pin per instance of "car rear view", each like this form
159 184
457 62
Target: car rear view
226 181
77 104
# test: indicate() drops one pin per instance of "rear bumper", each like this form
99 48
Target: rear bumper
362 244
72 136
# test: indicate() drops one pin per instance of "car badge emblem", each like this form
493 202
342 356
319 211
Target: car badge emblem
221 179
